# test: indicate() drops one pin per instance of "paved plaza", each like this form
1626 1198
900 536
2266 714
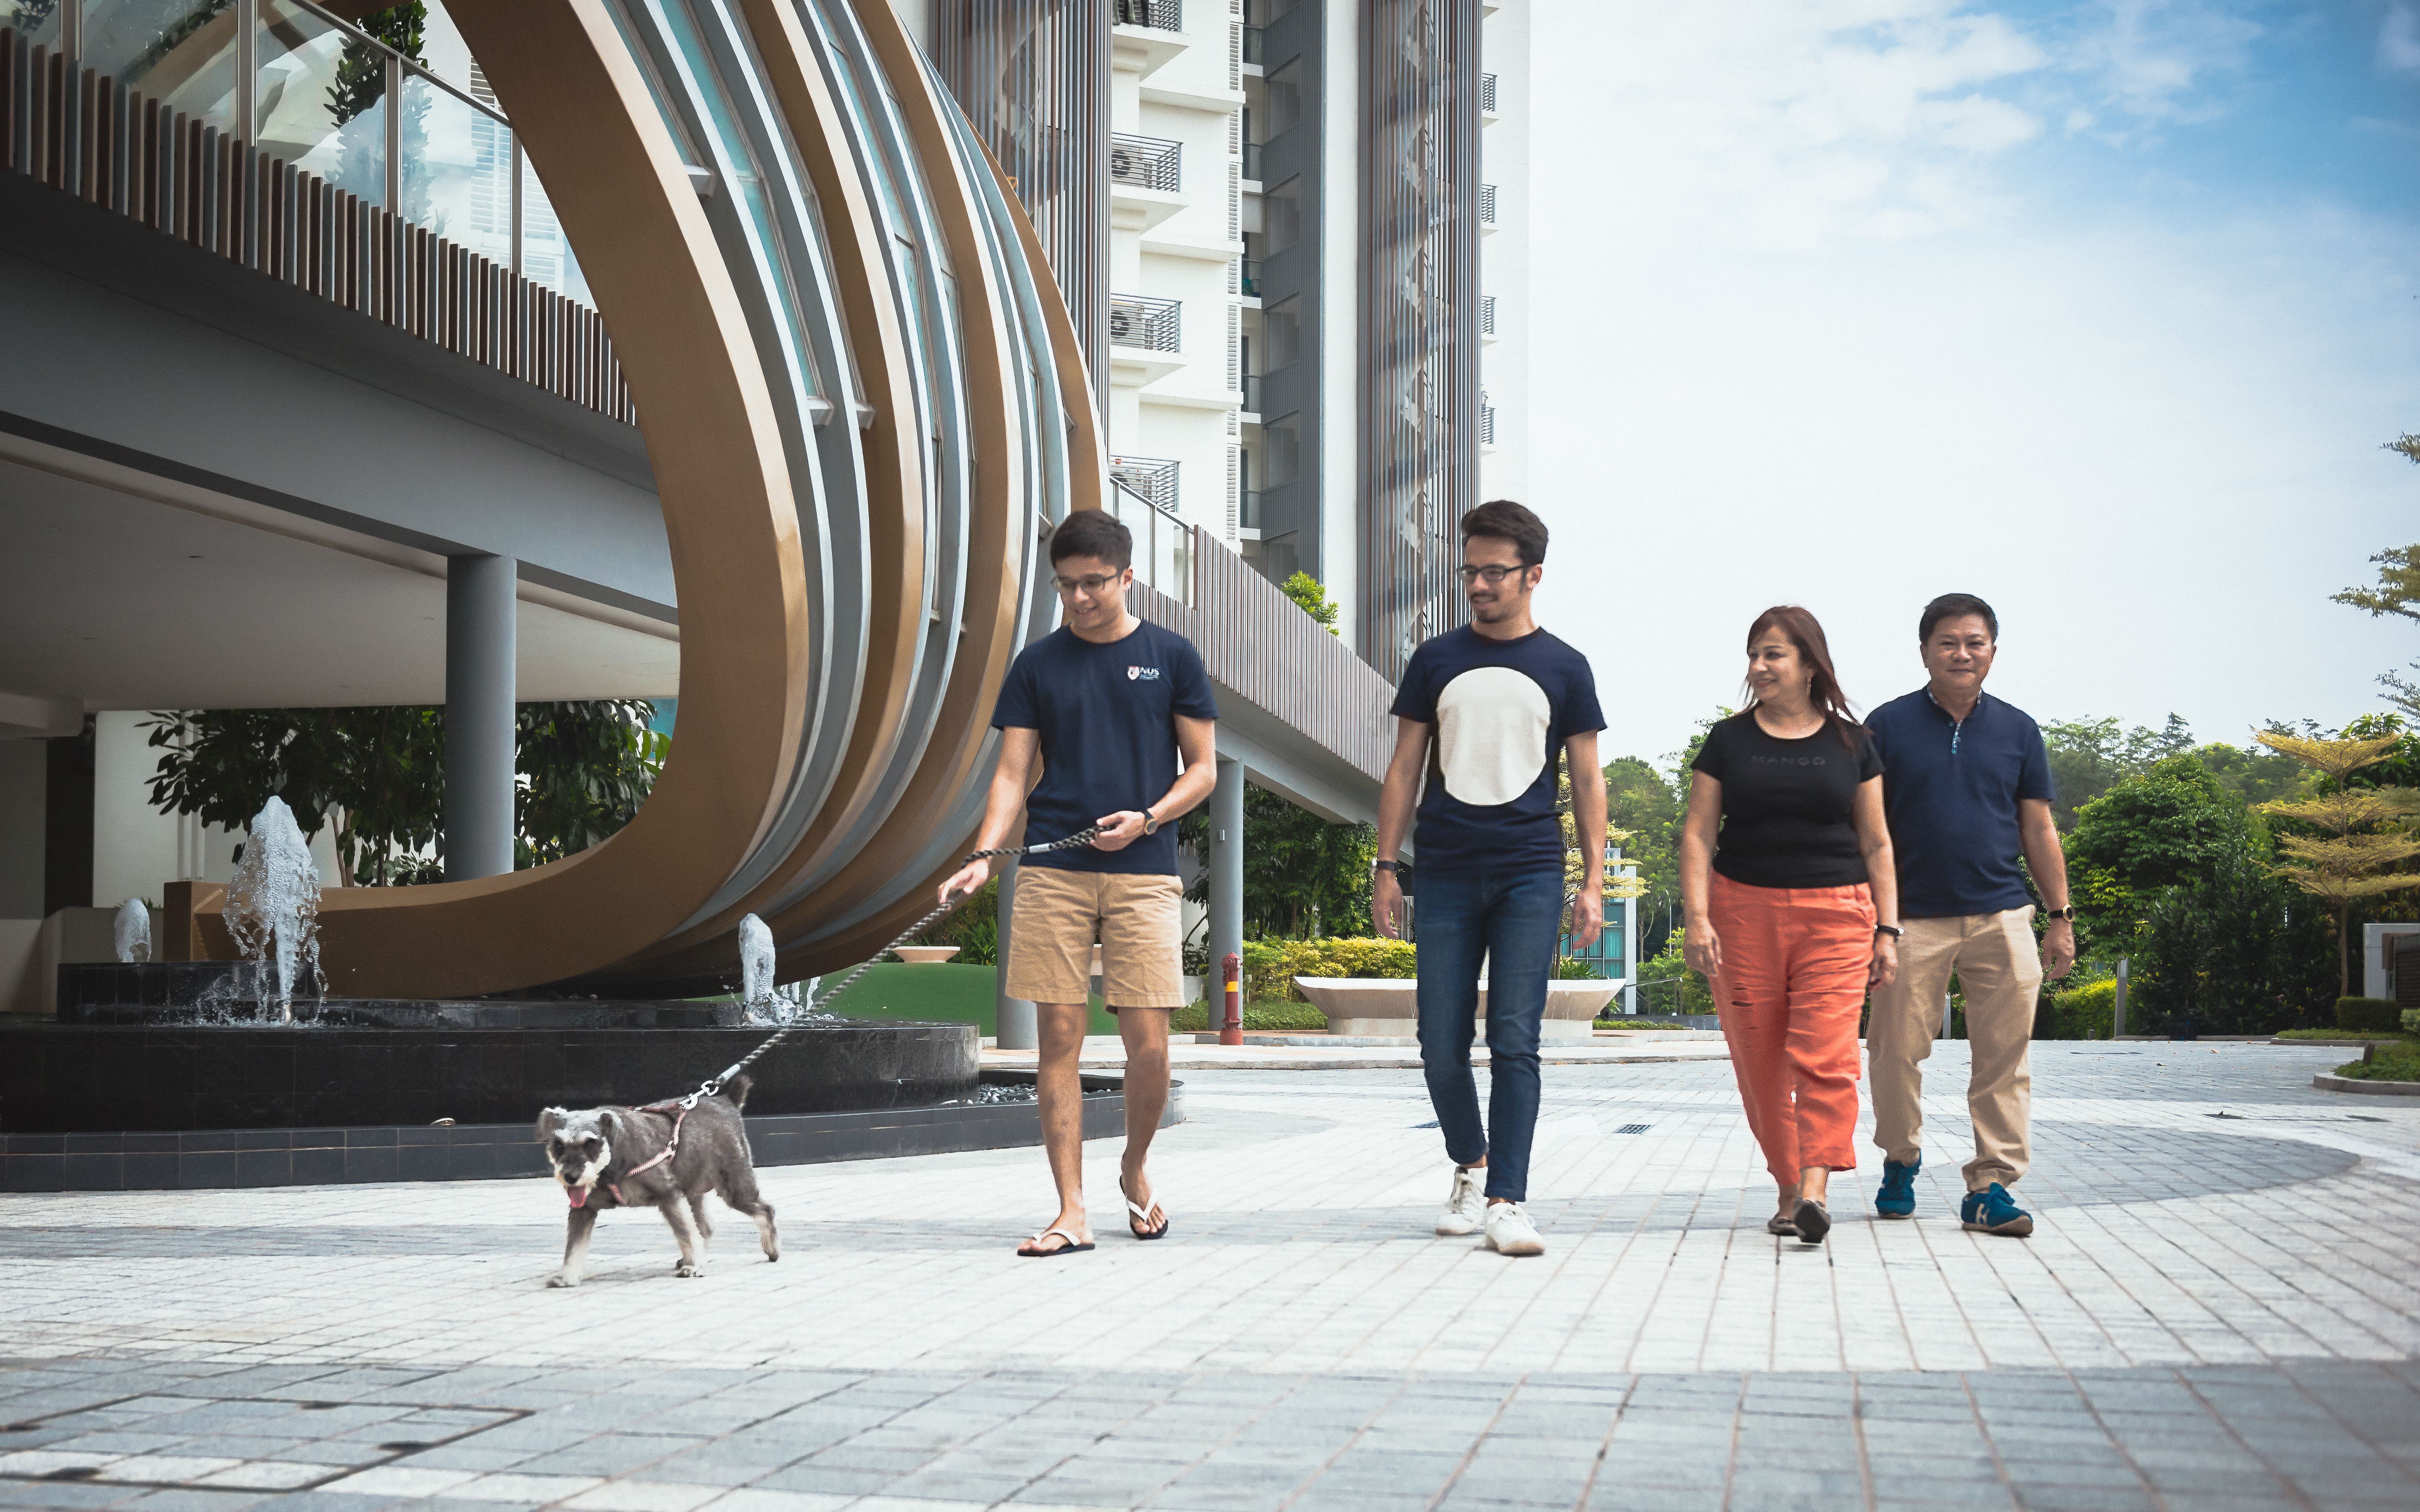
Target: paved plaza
2220 1309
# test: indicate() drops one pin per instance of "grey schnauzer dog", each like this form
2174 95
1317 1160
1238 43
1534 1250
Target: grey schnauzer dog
655 1157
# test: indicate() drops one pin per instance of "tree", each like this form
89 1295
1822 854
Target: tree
2353 855
1616 887
1641 803
2230 952
2088 757
1304 878
2397 593
378 775
1310 595
2155 830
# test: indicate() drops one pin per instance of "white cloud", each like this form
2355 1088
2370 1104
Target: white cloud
1822 334
2152 59
2398 40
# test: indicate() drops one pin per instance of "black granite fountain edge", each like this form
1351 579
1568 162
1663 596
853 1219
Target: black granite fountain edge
212 1158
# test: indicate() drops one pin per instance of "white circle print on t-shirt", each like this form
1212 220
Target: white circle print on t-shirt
1492 724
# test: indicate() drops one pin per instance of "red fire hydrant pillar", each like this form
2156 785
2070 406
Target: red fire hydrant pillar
1231 1024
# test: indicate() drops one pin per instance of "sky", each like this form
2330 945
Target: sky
2100 311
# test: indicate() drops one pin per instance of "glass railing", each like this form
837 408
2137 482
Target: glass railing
1163 544
331 100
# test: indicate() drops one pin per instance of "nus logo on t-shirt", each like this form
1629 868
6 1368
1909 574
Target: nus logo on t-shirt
1142 675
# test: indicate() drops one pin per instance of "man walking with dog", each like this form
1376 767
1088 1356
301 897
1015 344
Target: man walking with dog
1966 787
1480 718
1109 703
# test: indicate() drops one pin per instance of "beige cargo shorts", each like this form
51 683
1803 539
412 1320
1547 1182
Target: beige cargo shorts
1052 927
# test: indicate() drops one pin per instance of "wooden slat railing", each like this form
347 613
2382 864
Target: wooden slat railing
1259 645
83 134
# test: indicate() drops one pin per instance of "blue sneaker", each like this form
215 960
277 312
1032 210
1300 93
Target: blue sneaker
1994 1211
1897 1199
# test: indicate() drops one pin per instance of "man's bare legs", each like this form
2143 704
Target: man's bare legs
1059 1088
1145 1033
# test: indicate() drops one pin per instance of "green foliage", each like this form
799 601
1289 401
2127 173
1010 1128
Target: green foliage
1639 801
378 774
2162 828
1572 968
1303 876
2088 757
1668 986
1300 1018
2365 1016
2233 950
361 71
1310 594
973 927
2384 1063
2086 1013
1271 966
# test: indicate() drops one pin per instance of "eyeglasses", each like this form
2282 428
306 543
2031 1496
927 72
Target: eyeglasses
1090 583
1493 574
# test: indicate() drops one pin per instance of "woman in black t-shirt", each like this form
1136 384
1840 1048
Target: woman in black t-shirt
1792 906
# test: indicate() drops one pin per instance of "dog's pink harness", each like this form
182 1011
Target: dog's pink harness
671 1147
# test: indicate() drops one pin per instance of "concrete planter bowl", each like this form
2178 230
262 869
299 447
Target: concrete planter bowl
925 955
1383 1006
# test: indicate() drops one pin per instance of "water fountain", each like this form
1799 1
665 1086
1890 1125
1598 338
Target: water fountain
199 1074
129 932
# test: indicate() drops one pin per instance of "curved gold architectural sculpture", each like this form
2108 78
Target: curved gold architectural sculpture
864 404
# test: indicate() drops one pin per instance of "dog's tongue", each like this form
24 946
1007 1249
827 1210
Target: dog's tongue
579 1195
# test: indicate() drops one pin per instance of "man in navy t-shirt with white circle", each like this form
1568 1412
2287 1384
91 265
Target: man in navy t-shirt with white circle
1109 703
1481 716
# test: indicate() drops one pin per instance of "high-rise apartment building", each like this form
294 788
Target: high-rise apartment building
1294 239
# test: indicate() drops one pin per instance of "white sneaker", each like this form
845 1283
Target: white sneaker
1465 1206
1511 1232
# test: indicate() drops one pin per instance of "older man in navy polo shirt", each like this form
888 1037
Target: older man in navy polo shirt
1966 784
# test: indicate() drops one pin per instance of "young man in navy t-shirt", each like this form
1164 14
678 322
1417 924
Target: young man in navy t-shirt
1109 703
1481 716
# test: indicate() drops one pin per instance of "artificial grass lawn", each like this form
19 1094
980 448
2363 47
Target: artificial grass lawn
1300 1018
948 992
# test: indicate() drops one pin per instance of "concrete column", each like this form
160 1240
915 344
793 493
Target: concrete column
1226 878
1018 1027
479 720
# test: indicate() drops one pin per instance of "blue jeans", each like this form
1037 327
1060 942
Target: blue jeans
1513 920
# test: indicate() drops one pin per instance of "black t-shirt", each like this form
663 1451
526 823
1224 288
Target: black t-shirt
1106 717
1788 806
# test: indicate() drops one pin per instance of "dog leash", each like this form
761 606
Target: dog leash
715 1083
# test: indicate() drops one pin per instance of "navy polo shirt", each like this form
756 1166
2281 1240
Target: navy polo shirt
1951 789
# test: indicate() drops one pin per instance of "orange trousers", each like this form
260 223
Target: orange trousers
1793 980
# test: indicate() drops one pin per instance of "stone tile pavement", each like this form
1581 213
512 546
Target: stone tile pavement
2220 1308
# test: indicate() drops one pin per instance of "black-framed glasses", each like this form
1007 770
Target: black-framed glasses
1090 583
1492 573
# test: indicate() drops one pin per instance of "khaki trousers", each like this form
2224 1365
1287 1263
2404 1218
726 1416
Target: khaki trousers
1999 967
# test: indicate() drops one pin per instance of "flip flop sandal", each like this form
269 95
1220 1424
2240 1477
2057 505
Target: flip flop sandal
1783 1224
1071 1247
1140 1216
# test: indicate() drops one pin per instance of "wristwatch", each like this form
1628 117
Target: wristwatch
2067 913
1386 866
1892 930
1149 826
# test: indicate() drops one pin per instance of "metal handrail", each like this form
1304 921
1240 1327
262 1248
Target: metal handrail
361 36
1487 315
1148 322
1146 161
1161 15
1487 93
1123 470
1487 203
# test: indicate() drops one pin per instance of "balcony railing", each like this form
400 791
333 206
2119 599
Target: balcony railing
1248 517
1487 203
279 136
1152 479
1139 320
1252 392
1486 419
1487 315
1251 276
1163 544
1161 15
1252 160
1253 37
1487 93
1146 161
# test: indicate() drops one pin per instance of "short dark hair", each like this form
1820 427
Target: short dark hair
1956 606
1508 522
1093 532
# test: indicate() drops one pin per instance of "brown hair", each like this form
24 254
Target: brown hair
1801 630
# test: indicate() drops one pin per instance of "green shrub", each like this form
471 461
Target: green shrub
1295 1017
2411 1021
2369 1015
2384 1063
1271 966
1572 968
2086 1013
1670 987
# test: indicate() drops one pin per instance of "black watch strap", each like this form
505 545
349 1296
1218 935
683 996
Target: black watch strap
1386 866
1892 930
2067 913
